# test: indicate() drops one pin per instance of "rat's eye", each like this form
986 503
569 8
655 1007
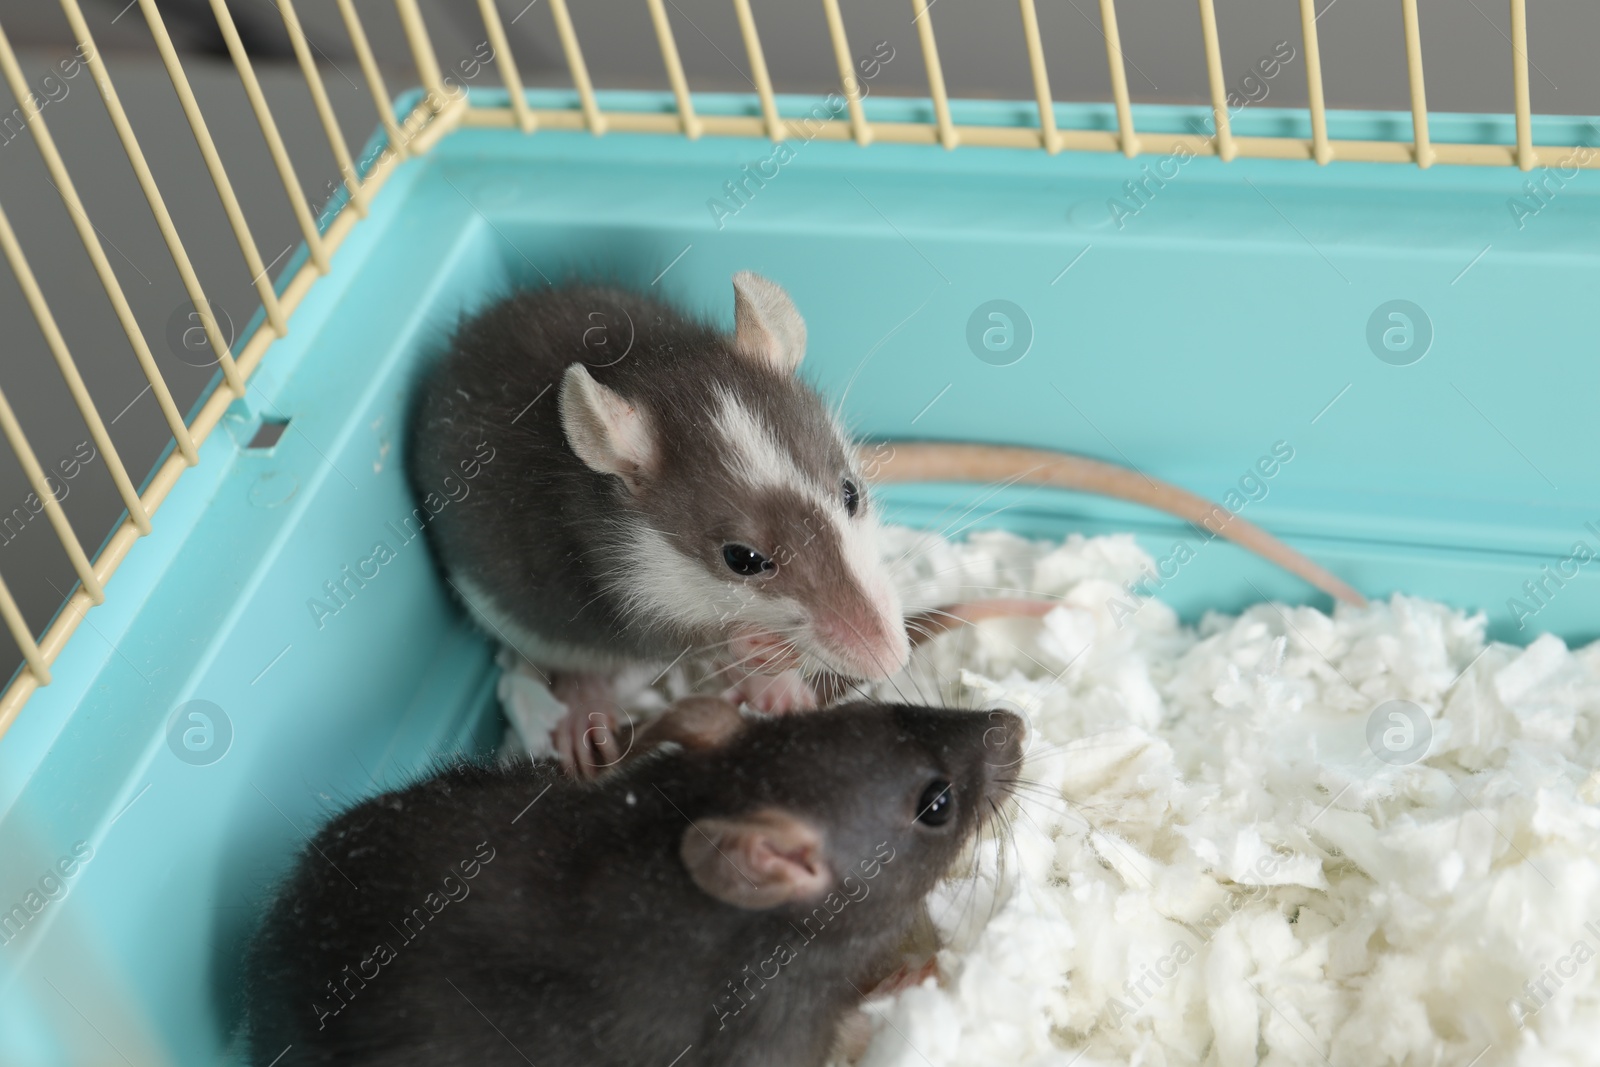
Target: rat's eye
936 804
852 497
746 561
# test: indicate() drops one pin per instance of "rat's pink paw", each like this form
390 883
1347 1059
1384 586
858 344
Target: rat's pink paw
760 650
586 737
775 694
907 976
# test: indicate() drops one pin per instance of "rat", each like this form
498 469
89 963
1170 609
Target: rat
668 488
659 487
726 896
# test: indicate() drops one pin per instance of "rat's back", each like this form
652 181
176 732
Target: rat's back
516 517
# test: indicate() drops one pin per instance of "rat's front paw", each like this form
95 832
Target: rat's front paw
775 694
586 738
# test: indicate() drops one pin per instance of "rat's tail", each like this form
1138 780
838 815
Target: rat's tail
921 461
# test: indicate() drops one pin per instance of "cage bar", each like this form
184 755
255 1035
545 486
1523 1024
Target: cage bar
949 137
776 129
69 371
1419 98
1049 136
1321 150
1129 139
153 197
374 77
424 124
508 65
1526 156
1222 129
91 244
219 175
319 98
1295 148
691 124
269 131
421 45
592 116
166 476
860 129
38 669
52 507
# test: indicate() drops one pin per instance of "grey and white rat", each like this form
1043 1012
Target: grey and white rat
659 488
723 899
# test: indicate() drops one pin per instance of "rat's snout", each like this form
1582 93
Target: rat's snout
1005 736
871 645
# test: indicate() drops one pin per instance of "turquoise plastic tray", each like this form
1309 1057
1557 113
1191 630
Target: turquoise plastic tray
1230 313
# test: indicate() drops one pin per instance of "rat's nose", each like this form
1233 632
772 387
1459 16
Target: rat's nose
1004 738
873 647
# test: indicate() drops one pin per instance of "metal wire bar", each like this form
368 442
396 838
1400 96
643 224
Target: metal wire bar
319 98
38 669
52 507
1321 150
580 71
860 129
69 371
161 483
776 129
91 244
369 69
949 137
1297 148
1219 90
416 32
219 175
152 195
1048 135
508 65
269 131
1419 98
1119 78
692 127
1526 156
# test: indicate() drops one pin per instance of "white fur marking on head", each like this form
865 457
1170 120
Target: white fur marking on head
752 449
767 325
662 583
863 560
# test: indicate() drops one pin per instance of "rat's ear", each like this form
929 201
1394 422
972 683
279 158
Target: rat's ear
767 325
607 432
756 861
698 723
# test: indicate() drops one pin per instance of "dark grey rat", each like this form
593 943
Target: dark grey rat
654 486
725 902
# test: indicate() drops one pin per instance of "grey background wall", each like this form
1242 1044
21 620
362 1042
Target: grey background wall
1466 46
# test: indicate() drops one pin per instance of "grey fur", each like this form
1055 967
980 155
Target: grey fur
542 537
580 938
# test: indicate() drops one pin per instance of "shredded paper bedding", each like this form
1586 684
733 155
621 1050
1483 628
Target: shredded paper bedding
1277 838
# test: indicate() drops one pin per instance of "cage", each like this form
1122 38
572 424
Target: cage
1180 289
